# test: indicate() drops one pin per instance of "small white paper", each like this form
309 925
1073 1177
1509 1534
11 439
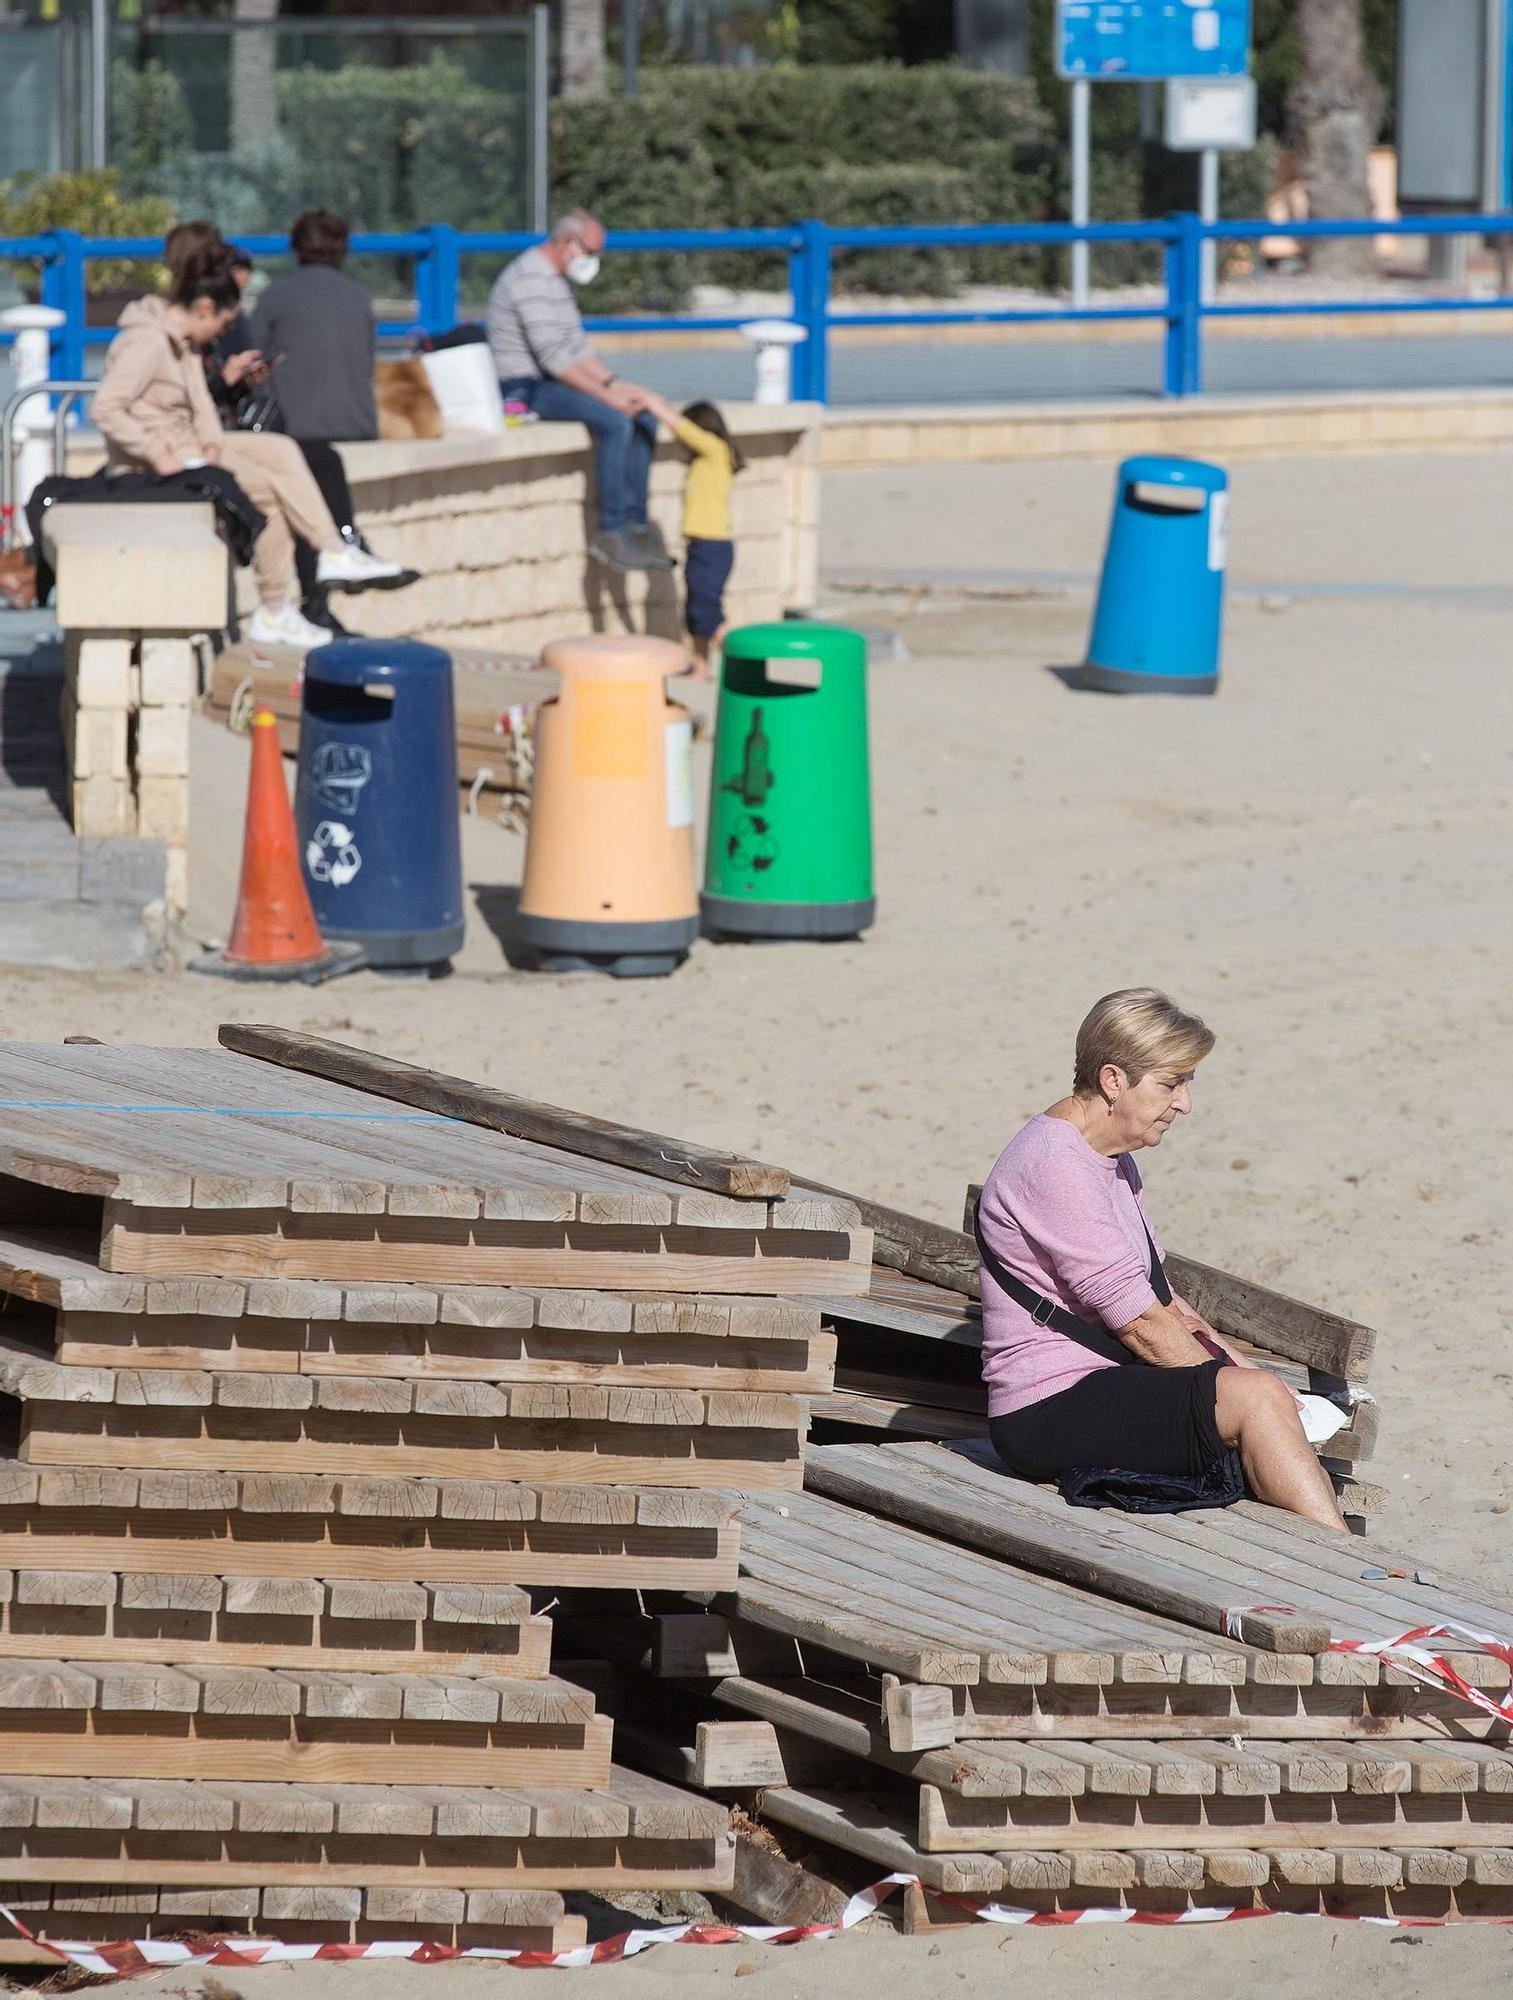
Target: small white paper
1218 530
679 760
1321 1418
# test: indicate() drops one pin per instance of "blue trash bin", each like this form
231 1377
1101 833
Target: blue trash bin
376 803
1160 607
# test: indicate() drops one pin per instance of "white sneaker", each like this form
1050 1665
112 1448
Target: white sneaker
354 569
286 626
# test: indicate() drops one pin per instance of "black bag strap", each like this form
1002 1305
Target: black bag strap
1045 1312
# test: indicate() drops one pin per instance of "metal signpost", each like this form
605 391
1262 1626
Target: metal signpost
1209 115
1112 41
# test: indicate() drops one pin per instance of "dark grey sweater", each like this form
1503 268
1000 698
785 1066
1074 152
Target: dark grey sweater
321 322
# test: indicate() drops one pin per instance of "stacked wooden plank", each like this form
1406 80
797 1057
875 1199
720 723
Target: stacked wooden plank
304 1392
317 1366
359 1861
372 1238
1046 1706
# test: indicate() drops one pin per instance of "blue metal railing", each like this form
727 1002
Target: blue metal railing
438 251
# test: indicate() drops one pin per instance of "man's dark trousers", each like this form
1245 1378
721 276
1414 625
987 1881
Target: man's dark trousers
623 445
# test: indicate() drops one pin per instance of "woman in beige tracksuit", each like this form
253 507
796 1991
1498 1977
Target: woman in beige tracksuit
154 409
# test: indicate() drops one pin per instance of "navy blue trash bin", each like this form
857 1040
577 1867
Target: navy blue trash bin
1160 607
376 803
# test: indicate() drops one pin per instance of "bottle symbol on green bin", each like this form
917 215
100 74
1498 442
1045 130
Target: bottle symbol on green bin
750 845
755 779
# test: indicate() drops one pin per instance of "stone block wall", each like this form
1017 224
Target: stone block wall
499 527
1228 428
125 713
136 585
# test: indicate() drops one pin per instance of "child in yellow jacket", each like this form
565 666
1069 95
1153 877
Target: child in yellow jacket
714 460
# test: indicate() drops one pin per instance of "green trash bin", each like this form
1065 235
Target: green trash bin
790 806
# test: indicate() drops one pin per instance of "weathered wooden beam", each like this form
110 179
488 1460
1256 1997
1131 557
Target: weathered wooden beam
780 1892
1321 1340
520 1117
909 1243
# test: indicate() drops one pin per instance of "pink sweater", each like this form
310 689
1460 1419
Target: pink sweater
1067 1222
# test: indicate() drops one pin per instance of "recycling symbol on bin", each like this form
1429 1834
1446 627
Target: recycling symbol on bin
752 846
331 854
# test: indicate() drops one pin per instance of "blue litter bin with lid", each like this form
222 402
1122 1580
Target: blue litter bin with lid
1156 628
376 801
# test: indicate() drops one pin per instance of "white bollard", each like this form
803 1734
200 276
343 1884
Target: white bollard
31 361
774 341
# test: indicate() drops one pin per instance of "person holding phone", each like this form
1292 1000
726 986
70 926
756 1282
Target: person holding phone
155 412
315 328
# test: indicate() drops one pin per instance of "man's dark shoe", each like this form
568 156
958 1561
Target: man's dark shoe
616 548
647 537
317 608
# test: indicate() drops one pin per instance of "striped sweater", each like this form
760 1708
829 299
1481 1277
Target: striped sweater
534 326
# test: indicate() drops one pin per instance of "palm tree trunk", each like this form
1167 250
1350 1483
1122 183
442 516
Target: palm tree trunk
1335 109
584 70
254 99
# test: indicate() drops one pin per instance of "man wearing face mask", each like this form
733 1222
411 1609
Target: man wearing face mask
544 360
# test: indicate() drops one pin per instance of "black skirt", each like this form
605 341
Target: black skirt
1138 1419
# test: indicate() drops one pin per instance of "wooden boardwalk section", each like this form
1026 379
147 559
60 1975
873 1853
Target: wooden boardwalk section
418 1502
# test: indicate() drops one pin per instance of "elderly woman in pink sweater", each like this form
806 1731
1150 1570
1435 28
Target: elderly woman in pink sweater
1090 1358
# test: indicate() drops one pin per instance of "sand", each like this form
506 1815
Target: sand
1317 861
1289 1958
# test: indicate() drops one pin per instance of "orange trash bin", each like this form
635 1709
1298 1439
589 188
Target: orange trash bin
609 871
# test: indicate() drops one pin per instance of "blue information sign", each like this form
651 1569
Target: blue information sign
1117 39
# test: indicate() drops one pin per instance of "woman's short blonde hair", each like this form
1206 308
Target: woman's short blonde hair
1138 1030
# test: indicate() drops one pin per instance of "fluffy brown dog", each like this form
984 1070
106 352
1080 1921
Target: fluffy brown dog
406 407
18 580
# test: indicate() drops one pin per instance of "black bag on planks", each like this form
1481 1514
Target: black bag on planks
1220 1484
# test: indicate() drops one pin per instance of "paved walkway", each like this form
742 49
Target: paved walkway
1000 369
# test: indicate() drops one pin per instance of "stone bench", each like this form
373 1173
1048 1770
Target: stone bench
498 527
149 567
135 584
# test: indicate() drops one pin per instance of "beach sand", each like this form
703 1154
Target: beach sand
1317 861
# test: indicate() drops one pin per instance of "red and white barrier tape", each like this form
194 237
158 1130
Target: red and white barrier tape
148 1954
126 1959
1408 1651
1235 1616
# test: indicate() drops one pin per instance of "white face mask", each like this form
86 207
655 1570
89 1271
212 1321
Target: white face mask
582 269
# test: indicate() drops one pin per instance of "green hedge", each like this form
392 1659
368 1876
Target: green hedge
94 204
396 147
874 145
638 172
386 148
699 148
875 115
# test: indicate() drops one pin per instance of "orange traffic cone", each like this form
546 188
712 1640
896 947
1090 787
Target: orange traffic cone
275 935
